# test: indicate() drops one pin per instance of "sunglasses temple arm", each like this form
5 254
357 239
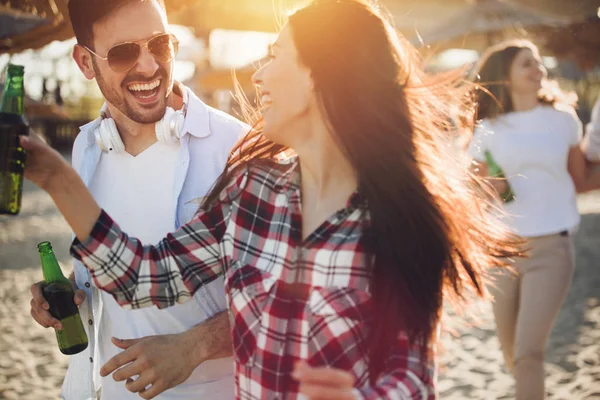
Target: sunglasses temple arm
94 53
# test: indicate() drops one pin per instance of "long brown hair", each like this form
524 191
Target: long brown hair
492 74
427 228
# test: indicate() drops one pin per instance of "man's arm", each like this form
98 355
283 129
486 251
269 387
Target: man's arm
585 176
211 339
165 361
591 141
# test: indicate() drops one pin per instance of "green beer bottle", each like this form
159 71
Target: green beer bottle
59 293
495 171
12 155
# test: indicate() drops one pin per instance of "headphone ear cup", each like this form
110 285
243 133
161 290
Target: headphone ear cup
177 124
115 138
168 129
161 130
98 136
107 137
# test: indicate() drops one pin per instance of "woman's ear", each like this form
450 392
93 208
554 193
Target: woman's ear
83 58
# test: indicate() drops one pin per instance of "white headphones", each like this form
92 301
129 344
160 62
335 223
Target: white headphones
168 129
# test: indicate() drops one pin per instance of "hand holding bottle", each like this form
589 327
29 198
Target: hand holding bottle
45 166
58 291
500 185
49 170
498 179
40 309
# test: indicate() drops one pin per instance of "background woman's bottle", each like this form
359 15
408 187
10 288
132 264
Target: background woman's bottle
59 293
495 171
12 155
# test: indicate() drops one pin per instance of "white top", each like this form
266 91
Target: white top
532 148
208 137
591 141
141 201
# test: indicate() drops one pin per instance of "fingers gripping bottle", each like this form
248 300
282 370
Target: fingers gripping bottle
59 293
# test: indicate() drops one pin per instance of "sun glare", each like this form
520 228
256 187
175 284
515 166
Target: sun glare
235 49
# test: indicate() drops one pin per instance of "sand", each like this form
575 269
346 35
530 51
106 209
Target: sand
31 367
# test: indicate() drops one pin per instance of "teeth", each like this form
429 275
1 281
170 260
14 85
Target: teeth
144 86
265 99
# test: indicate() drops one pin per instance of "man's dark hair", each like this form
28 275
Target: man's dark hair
85 13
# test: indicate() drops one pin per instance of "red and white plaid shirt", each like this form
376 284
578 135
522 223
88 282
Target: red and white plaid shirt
289 299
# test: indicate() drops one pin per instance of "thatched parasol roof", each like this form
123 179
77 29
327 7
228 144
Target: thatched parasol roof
484 22
30 24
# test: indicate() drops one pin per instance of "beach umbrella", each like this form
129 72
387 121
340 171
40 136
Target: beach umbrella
484 22
31 24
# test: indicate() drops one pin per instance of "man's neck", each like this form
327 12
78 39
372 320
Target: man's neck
135 136
138 137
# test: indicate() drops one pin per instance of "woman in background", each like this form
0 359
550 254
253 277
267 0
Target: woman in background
339 223
529 129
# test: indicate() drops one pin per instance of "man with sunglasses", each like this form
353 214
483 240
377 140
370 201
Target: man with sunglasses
152 186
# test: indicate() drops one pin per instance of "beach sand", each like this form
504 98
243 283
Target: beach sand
471 367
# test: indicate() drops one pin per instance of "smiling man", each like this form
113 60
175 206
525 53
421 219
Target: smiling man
153 152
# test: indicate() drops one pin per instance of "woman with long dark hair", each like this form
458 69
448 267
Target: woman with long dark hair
529 128
340 223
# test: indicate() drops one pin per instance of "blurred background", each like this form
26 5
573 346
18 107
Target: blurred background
219 37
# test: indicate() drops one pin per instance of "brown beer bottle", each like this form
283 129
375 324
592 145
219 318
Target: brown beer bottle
59 293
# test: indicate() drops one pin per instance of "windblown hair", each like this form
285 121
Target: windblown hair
427 226
85 13
492 74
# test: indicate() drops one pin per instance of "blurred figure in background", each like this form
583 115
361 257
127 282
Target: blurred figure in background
339 224
530 129
591 141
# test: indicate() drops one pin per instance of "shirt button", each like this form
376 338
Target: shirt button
91 360
90 322
87 284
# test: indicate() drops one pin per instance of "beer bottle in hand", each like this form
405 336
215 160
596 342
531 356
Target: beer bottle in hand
59 293
12 155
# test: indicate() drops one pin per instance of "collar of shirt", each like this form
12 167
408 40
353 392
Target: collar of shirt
289 182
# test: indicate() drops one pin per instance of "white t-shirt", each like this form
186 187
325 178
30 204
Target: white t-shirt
591 141
532 148
142 202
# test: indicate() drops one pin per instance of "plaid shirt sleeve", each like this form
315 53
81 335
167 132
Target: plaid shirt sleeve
172 271
406 376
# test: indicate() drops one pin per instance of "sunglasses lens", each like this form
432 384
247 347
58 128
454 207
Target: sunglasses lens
163 47
124 56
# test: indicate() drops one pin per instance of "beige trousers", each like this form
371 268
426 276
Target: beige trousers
526 304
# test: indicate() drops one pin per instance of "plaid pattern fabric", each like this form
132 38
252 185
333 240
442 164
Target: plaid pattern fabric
289 299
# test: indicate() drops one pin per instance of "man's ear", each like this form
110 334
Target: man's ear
83 58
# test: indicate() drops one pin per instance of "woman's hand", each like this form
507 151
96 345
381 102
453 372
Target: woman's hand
43 165
499 184
323 383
